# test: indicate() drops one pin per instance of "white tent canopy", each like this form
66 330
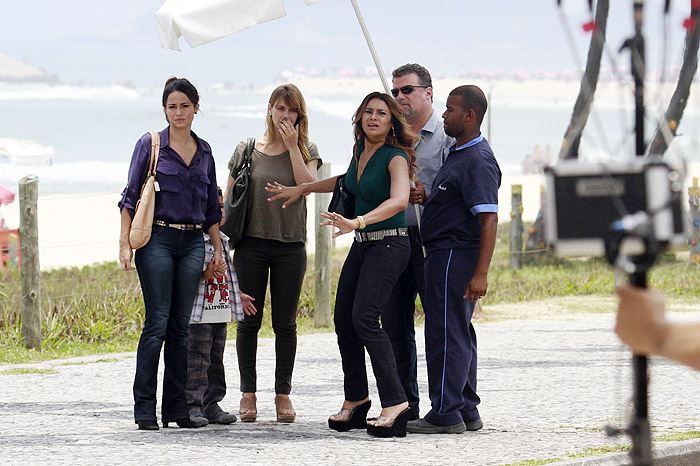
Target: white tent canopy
204 21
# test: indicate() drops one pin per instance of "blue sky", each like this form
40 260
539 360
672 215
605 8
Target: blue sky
99 42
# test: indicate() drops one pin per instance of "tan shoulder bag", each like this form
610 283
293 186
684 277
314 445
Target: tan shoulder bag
142 223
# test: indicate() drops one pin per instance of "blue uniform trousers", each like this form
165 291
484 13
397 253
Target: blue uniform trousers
450 340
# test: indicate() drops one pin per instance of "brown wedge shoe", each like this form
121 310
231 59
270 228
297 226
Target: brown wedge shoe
248 411
285 410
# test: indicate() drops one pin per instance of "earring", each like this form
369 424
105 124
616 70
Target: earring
392 131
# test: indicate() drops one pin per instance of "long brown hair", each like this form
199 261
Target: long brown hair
293 98
400 136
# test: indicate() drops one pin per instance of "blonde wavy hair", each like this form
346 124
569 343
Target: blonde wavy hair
293 98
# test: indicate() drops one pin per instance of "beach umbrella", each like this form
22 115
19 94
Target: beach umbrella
205 21
6 196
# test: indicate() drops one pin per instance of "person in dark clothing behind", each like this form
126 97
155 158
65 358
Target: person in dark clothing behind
413 91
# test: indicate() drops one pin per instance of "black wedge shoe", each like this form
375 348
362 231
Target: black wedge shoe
356 420
148 425
396 429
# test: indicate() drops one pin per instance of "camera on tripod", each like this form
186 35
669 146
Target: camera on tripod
634 203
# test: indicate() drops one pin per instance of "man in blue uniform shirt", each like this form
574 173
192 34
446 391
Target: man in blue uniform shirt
458 229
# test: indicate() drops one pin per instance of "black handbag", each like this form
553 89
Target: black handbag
237 204
342 201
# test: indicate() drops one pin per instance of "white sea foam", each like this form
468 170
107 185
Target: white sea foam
248 112
524 114
81 93
337 108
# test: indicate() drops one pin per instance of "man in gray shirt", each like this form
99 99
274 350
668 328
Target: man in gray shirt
413 91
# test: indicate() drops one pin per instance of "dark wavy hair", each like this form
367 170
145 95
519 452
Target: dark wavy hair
401 137
182 85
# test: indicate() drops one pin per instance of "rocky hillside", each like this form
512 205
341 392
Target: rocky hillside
18 72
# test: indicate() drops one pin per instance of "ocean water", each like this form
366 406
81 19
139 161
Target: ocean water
93 129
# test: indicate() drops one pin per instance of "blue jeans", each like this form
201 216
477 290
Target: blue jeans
366 281
398 319
169 269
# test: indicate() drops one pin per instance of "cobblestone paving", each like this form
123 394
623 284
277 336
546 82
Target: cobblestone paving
548 387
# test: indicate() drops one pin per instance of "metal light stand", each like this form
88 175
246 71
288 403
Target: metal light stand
639 429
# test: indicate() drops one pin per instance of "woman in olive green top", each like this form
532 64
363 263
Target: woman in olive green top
273 244
379 177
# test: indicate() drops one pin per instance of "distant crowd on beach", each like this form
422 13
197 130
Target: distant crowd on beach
420 196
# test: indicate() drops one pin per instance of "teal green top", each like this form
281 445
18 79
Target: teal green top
374 186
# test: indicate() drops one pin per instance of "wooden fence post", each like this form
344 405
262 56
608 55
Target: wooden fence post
694 217
516 227
31 287
322 276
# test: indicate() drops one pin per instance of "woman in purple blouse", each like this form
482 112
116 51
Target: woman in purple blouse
170 265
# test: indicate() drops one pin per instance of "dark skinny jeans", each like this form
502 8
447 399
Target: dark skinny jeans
366 282
398 319
285 263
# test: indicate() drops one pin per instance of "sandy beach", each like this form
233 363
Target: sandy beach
82 229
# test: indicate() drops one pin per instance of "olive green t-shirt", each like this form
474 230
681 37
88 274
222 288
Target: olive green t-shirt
267 219
375 186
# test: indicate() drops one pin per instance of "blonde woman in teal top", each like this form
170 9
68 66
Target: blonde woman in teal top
379 177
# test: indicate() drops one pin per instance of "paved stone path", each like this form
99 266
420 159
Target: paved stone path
547 386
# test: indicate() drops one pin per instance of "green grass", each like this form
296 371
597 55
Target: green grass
16 353
585 453
99 309
548 276
82 363
678 436
27 370
604 450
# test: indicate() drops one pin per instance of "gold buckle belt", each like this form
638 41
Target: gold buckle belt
361 236
178 226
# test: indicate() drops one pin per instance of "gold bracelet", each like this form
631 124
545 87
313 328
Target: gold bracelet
361 220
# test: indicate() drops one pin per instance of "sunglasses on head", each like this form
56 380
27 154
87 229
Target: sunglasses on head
405 90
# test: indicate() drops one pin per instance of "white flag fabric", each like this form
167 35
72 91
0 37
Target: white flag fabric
204 21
